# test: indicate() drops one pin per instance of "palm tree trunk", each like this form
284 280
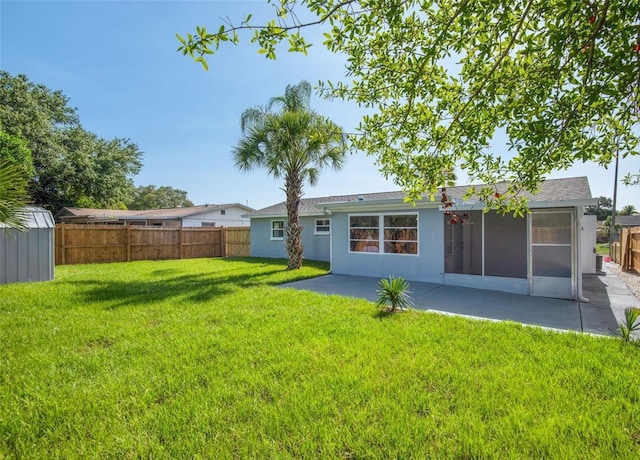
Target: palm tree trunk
293 190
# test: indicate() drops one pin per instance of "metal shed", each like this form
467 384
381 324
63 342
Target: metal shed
28 256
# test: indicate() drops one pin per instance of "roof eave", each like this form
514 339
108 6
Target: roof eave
383 205
563 203
368 205
280 215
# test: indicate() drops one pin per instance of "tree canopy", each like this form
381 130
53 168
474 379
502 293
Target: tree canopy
446 80
628 210
152 197
602 209
71 166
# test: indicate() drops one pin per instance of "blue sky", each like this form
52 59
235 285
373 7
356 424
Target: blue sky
117 63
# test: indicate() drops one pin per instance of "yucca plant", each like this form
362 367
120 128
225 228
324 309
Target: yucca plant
394 293
631 323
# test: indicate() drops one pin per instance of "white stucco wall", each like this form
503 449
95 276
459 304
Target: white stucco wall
231 218
316 247
588 244
427 265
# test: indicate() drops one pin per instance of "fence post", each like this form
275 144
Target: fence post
223 242
62 249
128 236
181 243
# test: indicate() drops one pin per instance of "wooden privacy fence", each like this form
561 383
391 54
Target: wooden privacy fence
615 253
86 244
629 252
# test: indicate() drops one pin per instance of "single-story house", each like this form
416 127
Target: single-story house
628 221
379 234
206 215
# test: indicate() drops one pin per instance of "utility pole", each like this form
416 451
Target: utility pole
612 229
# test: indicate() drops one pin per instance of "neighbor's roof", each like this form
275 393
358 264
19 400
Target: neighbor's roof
573 189
167 213
628 221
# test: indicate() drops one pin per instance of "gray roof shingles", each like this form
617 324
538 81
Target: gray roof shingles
573 188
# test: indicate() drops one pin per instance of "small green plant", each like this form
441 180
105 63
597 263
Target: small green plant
631 323
394 291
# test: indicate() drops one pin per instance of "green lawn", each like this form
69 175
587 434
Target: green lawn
206 358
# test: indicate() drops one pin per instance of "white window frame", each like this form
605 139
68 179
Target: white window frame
380 216
322 232
272 229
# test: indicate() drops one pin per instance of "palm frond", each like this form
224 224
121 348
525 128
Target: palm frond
13 196
296 98
630 324
252 117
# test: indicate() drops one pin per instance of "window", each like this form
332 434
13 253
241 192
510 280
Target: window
323 227
223 212
208 224
398 235
364 234
277 229
401 234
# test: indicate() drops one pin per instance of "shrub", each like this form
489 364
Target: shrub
631 323
394 291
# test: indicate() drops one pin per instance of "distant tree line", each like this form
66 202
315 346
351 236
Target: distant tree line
63 164
152 197
603 209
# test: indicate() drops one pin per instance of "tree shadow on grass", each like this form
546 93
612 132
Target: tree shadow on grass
183 289
225 276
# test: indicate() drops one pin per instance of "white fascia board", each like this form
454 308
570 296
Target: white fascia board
563 203
282 216
475 206
468 206
378 205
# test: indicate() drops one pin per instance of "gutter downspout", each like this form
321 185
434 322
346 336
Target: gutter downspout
579 231
328 213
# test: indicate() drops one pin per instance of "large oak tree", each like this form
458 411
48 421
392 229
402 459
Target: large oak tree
71 166
445 79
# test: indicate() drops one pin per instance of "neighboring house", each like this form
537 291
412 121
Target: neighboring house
628 221
622 221
379 234
207 215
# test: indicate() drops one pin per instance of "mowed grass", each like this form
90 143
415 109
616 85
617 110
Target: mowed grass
208 358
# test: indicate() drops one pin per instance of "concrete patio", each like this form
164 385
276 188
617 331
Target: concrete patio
608 297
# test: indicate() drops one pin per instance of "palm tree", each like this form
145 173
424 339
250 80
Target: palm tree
292 142
13 196
627 210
